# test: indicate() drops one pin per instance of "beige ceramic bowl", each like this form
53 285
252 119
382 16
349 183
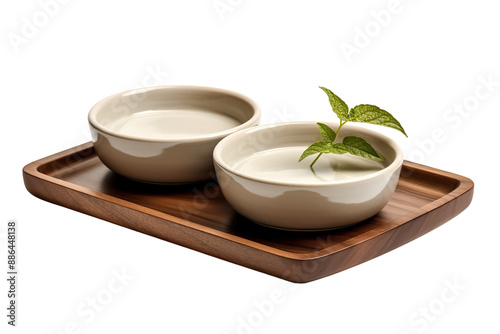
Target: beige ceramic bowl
167 134
261 178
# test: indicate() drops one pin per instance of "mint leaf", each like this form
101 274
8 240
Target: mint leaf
317 147
364 113
338 148
326 132
338 106
360 147
367 113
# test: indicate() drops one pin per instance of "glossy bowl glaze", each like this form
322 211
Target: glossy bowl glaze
167 134
261 178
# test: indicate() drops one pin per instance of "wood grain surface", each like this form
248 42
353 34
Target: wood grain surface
197 215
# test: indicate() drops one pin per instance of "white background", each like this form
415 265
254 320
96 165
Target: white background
422 62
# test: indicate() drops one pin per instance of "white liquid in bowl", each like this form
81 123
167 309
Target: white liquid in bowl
282 164
173 124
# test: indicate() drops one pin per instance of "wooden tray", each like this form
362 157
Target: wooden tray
198 217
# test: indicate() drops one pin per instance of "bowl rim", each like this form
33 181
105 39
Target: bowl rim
392 167
207 137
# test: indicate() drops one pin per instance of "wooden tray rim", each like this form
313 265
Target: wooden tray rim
464 185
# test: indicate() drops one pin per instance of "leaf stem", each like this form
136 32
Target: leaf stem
311 165
340 126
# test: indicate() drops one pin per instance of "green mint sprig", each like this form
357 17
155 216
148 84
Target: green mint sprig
364 113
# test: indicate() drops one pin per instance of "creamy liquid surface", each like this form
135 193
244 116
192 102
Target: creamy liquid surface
173 124
282 164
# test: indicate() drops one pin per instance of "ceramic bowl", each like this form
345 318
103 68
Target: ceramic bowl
261 178
167 134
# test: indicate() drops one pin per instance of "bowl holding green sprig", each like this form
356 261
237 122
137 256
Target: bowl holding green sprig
309 176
